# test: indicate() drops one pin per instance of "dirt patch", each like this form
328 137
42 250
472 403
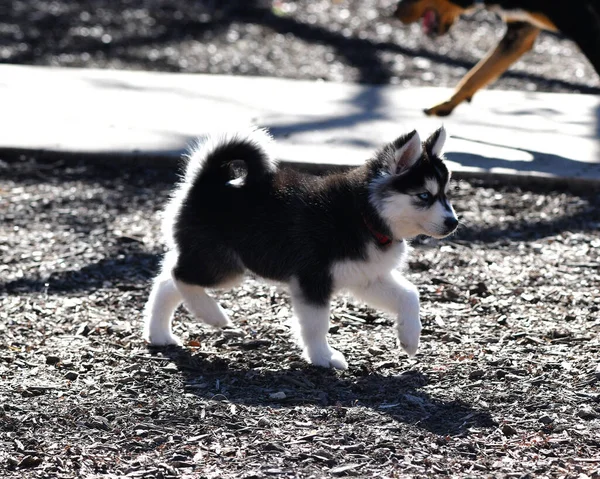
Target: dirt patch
505 384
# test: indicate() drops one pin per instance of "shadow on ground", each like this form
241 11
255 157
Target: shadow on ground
399 397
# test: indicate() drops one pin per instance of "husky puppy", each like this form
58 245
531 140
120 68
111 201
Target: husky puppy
344 231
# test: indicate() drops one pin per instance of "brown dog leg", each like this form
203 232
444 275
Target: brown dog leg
517 40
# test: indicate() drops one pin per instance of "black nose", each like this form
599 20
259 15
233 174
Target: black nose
451 223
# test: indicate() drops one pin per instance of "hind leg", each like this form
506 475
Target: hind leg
158 312
218 268
201 305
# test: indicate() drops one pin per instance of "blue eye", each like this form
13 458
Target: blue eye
424 196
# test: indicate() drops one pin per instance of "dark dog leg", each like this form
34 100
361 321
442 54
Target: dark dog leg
518 39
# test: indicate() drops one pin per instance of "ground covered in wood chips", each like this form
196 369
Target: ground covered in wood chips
332 40
505 384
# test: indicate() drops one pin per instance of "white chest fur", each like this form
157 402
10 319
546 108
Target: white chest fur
352 273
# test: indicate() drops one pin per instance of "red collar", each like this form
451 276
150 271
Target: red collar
383 240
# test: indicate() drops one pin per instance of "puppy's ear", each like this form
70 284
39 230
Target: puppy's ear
435 142
407 150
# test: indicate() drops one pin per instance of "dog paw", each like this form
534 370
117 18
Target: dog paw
408 336
328 358
161 338
213 315
443 109
218 322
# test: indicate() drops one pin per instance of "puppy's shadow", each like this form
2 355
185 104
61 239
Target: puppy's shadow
399 397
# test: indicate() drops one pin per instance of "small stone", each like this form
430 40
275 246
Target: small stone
375 351
52 360
508 430
278 395
71 376
587 412
545 419
528 297
477 374
597 373
264 422
29 461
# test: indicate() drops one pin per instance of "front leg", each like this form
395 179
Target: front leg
518 39
312 315
395 294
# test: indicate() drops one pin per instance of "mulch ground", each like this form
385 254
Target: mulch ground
506 383
333 40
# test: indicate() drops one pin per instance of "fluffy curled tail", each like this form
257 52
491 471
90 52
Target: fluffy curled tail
211 158
209 166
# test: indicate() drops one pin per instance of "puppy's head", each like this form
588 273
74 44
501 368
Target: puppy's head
438 15
409 185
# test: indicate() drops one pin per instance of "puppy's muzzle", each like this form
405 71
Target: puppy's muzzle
450 224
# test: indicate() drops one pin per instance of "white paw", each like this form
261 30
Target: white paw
409 333
218 322
162 338
326 358
207 311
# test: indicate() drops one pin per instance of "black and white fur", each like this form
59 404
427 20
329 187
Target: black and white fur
317 234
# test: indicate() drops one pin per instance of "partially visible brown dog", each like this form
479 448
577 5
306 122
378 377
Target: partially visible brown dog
578 19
